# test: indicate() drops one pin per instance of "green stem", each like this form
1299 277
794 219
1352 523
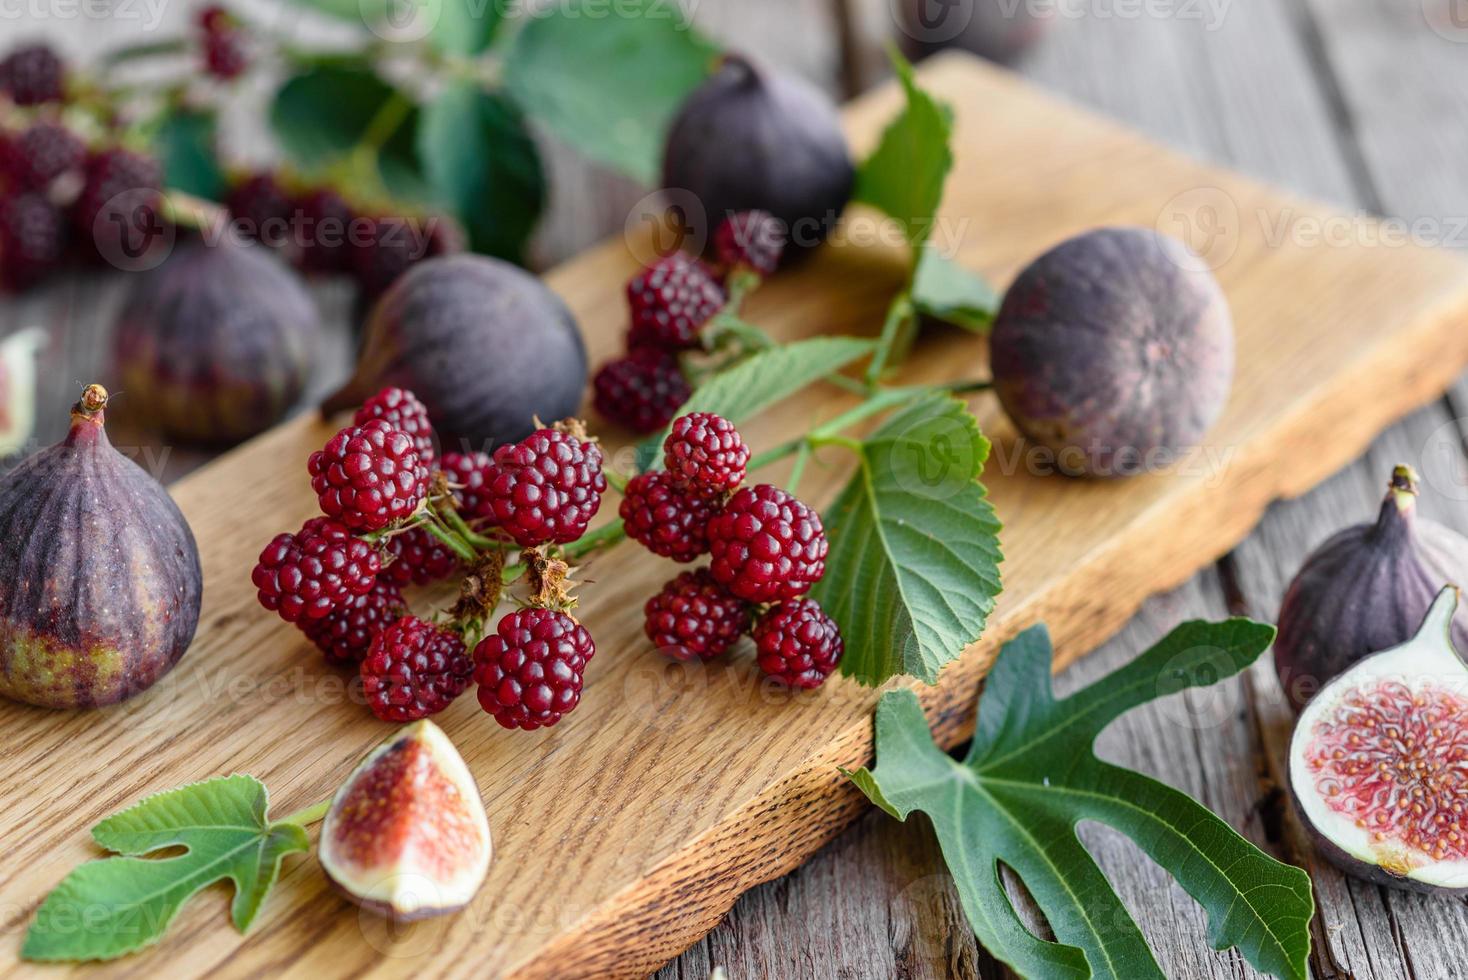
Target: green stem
802 456
475 540
603 537
151 49
898 314
309 815
449 540
380 128
776 454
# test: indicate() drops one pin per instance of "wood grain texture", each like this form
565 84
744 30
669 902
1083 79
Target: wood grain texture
627 831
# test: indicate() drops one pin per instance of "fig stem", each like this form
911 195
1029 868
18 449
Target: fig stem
309 815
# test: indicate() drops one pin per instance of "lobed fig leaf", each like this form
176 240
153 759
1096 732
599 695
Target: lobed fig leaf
1031 775
118 905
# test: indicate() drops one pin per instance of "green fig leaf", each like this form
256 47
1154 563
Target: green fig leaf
1031 775
944 290
904 175
759 381
185 144
913 568
117 905
608 81
483 165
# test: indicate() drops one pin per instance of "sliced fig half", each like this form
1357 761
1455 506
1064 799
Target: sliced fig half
406 835
1379 763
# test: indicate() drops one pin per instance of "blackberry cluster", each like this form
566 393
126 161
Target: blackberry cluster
546 488
671 302
530 671
261 209
345 634
308 574
33 235
32 75
368 476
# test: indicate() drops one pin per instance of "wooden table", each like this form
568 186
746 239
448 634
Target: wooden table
1359 102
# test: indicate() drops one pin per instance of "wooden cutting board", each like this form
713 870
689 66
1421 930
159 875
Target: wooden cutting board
627 831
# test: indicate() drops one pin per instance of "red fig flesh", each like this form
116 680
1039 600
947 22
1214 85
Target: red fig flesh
406 835
1366 589
99 574
1379 763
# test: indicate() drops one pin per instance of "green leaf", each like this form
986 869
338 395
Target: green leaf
761 380
118 905
913 569
607 82
483 165
904 175
944 290
185 144
464 27
323 113
365 13
1032 774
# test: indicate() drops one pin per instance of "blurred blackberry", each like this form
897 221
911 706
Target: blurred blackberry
121 197
223 42
32 239
261 209
33 74
33 158
326 224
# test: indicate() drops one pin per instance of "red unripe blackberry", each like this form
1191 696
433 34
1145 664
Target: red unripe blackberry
345 634
223 42
767 545
704 450
33 74
546 488
671 300
261 210
642 391
469 474
326 222
308 574
368 476
798 644
32 239
667 518
414 669
695 618
402 410
44 151
530 670
121 186
752 239
418 558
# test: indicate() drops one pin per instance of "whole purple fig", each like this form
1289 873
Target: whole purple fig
1366 589
1115 351
751 138
486 347
216 343
99 574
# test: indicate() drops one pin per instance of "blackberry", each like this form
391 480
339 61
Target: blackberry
530 670
414 669
546 488
750 239
308 574
345 634
666 518
706 451
470 473
44 151
402 410
368 476
418 558
389 247
32 75
798 644
767 545
671 300
695 618
642 391
261 209
326 226
32 239
223 41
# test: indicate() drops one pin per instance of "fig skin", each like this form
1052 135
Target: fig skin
1115 351
486 347
99 574
216 344
751 138
1364 590
411 794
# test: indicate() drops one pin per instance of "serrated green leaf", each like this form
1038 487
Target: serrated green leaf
185 144
608 81
118 905
944 290
904 175
759 381
913 569
322 113
483 165
1032 774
